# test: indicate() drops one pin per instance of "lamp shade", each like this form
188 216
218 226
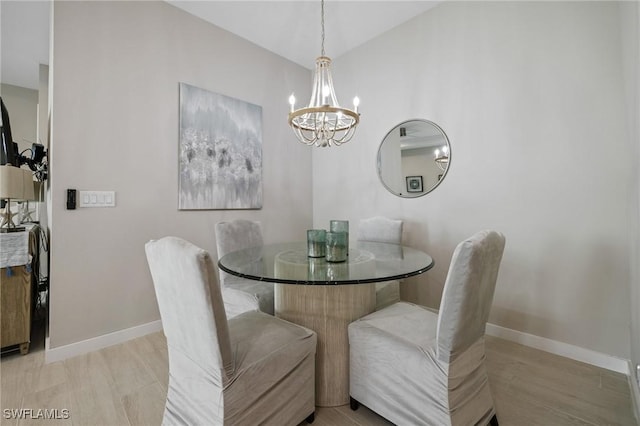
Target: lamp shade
28 189
15 183
38 190
11 182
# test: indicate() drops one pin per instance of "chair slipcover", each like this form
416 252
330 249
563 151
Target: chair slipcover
252 369
383 230
240 294
414 366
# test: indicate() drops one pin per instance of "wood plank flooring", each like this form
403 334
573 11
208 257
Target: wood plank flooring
126 385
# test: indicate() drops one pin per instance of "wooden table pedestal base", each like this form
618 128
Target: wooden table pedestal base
327 310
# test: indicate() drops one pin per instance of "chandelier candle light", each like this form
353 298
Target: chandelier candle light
442 158
324 122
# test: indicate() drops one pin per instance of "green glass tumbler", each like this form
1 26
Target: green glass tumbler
316 242
340 226
317 270
337 246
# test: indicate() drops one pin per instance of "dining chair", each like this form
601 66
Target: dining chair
240 294
251 369
383 230
414 366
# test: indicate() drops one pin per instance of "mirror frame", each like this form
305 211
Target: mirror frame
379 166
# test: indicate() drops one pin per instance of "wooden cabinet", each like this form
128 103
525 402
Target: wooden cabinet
15 307
19 263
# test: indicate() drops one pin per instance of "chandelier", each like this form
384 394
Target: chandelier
323 122
442 158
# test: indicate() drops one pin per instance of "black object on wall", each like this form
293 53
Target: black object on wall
8 149
71 199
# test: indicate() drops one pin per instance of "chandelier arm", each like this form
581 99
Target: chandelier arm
334 128
346 137
302 137
314 136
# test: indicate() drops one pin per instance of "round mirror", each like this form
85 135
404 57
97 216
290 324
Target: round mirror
413 158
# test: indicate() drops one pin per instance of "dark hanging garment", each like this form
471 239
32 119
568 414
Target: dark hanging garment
8 150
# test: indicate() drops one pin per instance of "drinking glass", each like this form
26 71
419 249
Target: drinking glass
316 242
340 226
337 246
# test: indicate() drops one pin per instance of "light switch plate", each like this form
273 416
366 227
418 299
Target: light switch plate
97 199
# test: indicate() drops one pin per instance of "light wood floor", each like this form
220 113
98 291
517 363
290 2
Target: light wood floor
126 385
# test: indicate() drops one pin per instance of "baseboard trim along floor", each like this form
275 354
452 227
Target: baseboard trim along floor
634 384
566 350
555 347
84 346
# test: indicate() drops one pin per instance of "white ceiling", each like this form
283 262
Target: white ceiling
288 28
24 41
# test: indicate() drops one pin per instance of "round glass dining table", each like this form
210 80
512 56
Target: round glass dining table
326 296
287 263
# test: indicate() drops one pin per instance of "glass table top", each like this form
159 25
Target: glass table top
287 263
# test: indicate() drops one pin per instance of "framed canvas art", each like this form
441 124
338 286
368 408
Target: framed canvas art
220 152
414 184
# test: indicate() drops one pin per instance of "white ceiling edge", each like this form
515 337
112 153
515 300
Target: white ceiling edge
290 29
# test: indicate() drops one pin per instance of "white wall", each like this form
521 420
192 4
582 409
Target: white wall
115 77
530 95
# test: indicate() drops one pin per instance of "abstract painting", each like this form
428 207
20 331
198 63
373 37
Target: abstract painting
220 151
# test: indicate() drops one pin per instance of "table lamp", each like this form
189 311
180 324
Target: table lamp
38 195
16 184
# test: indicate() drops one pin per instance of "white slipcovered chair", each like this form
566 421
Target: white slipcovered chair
241 294
416 367
252 369
383 230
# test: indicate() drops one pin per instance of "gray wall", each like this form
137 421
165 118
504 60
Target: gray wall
630 36
115 78
22 105
531 97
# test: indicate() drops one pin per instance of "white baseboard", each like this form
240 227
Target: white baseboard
96 343
577 353
635 391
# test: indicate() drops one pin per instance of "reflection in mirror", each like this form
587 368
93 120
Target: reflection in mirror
413 158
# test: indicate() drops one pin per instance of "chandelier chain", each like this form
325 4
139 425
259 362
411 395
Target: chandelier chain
322 23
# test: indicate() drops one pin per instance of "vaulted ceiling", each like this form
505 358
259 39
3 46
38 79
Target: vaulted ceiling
288 28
